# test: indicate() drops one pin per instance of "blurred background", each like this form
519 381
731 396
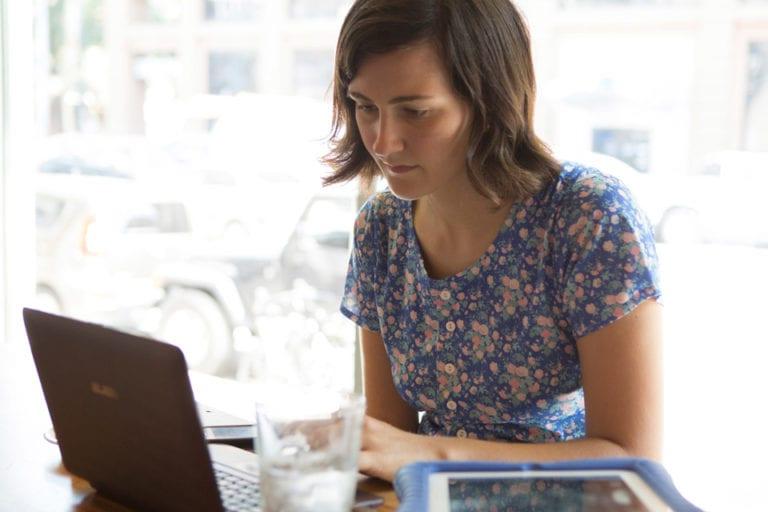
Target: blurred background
161 175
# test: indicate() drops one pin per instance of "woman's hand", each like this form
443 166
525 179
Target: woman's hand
385 449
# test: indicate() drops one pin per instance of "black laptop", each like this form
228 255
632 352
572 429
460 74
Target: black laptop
126 421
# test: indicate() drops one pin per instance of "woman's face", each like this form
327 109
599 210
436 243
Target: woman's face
411 121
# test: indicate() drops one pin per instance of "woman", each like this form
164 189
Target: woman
509 297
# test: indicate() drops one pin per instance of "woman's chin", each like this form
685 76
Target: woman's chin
405 191
407 195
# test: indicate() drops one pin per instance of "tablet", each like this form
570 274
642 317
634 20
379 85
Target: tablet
578 490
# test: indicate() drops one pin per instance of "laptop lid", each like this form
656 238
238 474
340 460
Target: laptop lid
124 414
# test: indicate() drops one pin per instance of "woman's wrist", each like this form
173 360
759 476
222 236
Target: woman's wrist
441 448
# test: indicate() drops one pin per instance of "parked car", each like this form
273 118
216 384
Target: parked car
156 238
258 289
722 201
97 242
120 252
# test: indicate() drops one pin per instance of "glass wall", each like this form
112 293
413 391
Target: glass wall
178 185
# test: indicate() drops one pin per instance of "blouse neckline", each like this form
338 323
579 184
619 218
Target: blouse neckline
421 266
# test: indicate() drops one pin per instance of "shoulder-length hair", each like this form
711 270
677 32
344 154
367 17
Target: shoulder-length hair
485 47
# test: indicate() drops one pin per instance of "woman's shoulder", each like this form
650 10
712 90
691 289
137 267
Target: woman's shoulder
381 211
581 189
590 203
580 181
384 206
386 202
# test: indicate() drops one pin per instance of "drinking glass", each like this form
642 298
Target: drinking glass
308 441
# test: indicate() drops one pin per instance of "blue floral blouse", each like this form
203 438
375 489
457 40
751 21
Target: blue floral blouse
490 352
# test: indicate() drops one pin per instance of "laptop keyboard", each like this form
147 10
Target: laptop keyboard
237 494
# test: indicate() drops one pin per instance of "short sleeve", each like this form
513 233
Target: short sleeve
359 300
609 261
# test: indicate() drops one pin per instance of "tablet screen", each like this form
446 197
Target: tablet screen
583 494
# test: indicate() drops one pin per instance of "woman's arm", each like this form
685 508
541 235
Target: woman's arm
383 402
621 367
622 378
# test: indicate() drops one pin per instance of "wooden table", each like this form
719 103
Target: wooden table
32 478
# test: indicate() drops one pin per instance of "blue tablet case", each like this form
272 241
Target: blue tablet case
412 481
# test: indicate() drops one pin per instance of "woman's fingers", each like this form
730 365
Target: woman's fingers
375 464
381 449
370 463
372 457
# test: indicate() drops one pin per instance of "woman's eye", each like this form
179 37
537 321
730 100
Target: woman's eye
365 108
415 112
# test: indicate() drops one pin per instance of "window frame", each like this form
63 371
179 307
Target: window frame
21 60
751 31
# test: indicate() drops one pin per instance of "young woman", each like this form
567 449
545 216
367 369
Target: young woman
508 297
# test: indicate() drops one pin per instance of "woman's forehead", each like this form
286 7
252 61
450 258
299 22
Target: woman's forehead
412 70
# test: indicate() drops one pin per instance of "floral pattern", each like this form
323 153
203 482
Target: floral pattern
491 352
533 494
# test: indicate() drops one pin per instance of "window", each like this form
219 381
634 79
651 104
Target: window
629 146
233 10
159 154
231 72
153 11
153 83
316 8
756 102
76 165
312 72
158 218
624 3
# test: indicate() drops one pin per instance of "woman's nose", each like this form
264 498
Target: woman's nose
388 138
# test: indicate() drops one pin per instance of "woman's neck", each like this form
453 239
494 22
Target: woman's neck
456 215
454 231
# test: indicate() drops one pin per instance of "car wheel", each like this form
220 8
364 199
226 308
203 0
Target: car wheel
680 224
194 321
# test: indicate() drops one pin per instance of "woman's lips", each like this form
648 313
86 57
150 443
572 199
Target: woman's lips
399 169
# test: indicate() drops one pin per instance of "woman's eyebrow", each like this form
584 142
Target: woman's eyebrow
399 99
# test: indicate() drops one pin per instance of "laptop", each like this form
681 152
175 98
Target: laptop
126 421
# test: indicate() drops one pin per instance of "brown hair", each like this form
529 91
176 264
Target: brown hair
485 46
